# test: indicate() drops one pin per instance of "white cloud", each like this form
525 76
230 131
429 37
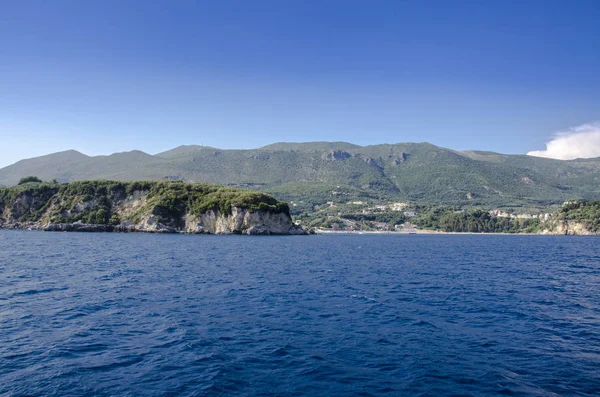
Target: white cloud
579 142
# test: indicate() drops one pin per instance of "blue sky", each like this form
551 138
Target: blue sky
107 76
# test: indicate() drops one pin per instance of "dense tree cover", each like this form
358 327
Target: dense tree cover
479 221
392 218
428 216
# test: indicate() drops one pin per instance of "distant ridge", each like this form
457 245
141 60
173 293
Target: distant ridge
319 172
182 150
63 155
308 146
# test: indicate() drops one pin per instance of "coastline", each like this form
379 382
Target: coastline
97 228
436 233
92 228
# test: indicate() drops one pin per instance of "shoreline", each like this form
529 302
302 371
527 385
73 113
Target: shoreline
437 233
87 228
121 229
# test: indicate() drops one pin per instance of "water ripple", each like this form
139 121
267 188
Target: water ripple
130 315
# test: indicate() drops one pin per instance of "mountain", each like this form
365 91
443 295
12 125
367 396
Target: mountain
60 163
309 174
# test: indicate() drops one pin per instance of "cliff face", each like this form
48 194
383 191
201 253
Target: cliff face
154 207
241 221
580 218
570 228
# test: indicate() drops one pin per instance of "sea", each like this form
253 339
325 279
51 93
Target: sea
344 315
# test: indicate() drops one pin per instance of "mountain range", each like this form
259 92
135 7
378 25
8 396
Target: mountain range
317 172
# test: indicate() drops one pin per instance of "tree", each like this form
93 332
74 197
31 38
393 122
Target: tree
30 179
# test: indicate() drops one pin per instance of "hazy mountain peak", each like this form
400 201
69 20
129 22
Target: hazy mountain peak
183 150
65 155
309 146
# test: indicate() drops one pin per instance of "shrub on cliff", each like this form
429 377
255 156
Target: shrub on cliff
30 179
585 212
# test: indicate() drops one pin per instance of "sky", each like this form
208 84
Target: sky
104 76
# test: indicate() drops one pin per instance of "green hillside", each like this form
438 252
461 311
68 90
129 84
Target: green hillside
309 174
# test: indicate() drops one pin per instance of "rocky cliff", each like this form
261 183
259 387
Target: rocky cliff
570 228
575 218
154 207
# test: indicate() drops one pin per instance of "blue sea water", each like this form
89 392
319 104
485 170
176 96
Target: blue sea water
169 315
